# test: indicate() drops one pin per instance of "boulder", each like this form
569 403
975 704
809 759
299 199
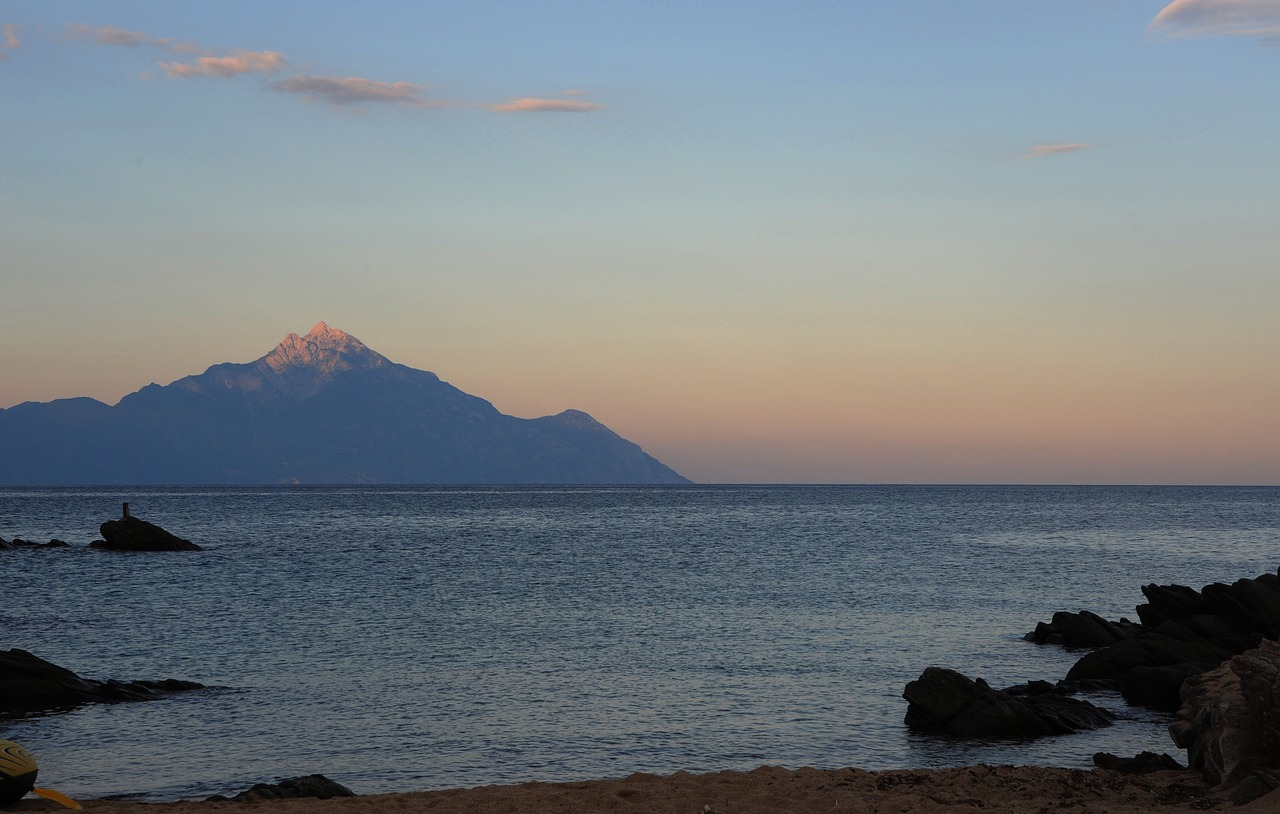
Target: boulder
946 702
132 534
30 684
312 785
1229 721
1142 763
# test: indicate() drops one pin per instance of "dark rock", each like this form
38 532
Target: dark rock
1116 660
1252 787
1159 687
1083 629
1229 721
18 542
30 684
312 785
945 702
1142 763
1182 631
131 534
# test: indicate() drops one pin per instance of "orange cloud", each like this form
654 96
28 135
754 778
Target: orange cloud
353 90
1053 149
239 63
110 35
526 104
9 41
1232 18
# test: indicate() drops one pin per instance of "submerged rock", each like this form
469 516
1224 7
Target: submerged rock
18 542
30 684
945 702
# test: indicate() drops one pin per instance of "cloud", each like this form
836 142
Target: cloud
350 92
1210 18
1041 150
239 63
110 35
353 90
527 104
9 41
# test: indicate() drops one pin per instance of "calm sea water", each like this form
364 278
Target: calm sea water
421 637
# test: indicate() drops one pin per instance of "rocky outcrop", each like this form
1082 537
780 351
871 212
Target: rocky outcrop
946 702
30 684
312 785
131 534
1083 629
1229 721
1182 632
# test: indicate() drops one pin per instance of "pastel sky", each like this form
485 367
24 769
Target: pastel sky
960 241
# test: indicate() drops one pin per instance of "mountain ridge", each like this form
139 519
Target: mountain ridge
317 408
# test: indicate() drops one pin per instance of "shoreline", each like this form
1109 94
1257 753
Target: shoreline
772 790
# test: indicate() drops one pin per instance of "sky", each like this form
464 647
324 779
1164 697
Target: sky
971 241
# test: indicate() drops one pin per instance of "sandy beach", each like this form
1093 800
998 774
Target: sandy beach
772 790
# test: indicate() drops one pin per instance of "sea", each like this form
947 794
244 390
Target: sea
400 638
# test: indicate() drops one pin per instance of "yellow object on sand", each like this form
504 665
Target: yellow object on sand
18 771
57 797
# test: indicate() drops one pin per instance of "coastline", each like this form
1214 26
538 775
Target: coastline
772 790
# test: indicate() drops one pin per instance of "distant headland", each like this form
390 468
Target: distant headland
319 408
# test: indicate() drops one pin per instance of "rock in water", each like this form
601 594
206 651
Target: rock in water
1229 722
945 702
131 534
312 785
29 684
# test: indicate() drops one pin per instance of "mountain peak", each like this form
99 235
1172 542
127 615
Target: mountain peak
323 350
323 332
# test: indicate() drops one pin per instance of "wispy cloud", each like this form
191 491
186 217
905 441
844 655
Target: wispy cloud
339 92
1041 150
1212 18
529 104
239 63
9 41
354 90
110 35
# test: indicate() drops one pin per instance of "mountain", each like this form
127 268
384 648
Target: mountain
320 408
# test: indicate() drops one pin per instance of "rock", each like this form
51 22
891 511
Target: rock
1229 721
945 702
1142 763
1116 660
312 785
18 542
1159 687
1083 629
1181 631
31 684
131 534
1258 784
